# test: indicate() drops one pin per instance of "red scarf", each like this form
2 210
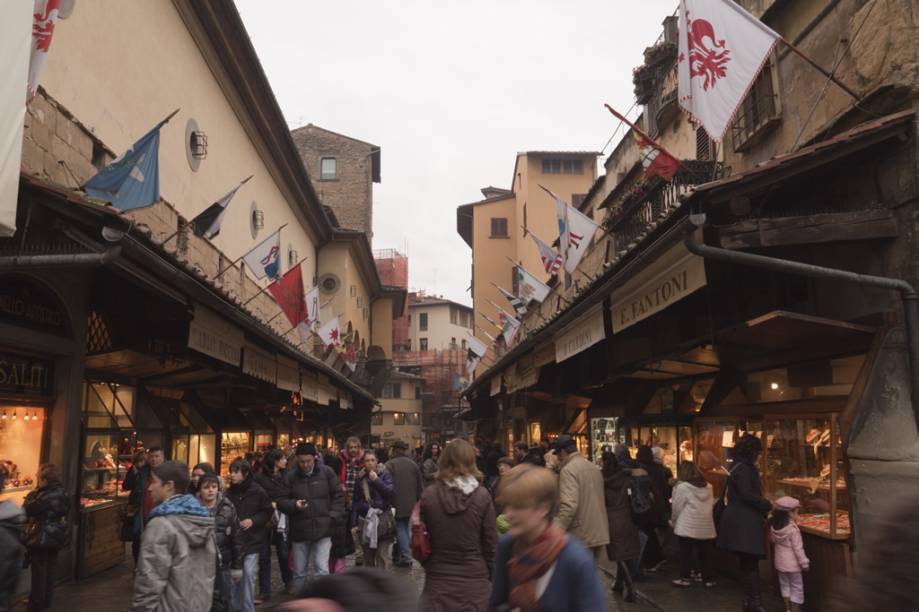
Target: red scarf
530 562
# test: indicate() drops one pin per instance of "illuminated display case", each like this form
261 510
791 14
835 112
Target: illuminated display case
803 460
233 445
714 440
21 429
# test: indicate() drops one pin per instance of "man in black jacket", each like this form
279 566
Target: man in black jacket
408 485
253 507
313 502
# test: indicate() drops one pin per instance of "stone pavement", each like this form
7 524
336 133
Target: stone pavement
110 591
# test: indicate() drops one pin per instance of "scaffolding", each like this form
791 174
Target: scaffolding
441 370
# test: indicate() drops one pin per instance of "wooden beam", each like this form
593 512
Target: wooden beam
810 229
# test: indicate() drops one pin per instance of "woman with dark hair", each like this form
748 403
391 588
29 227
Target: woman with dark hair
460 518
429 463
229 544
624 546
135 481
47 532
271 477
196 473
743 523
372 495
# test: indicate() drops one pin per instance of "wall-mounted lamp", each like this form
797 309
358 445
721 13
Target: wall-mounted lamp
258 219
197 141
292 256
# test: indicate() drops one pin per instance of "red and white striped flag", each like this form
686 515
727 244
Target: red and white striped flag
551 259
722 49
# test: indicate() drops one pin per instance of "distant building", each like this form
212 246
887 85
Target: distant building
437 324
343 170
494 226
400 417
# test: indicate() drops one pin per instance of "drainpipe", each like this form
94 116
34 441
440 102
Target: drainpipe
66 260
908 293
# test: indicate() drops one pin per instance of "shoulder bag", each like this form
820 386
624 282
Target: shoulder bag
421 539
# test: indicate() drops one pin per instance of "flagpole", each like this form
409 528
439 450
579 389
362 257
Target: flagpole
257 293
176 233
821 70
650 140
277 231
168 117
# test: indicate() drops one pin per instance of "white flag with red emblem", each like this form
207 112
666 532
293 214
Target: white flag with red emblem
722 49
330 333
44 16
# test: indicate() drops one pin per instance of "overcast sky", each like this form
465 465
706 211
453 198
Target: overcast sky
451 90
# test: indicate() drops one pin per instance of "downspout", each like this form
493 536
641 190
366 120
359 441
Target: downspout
908 293
66 260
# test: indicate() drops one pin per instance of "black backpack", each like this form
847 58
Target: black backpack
641 496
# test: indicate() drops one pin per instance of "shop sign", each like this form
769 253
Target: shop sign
495 385
675 275
208 333
288 374
259 364
522 375
309 386
583 334
26 303
23 375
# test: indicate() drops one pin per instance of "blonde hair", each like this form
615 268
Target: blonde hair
529 486
457 459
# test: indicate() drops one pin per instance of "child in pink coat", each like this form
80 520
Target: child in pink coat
788 552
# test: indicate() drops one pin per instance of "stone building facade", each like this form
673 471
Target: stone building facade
343 170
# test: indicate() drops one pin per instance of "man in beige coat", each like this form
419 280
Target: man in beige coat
582 509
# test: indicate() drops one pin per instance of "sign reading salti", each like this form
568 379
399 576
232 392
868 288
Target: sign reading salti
722 48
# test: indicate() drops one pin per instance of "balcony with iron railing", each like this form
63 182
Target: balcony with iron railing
643 205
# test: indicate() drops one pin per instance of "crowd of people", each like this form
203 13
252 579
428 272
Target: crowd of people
494 532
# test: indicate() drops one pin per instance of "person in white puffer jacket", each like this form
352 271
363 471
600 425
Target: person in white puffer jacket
693 523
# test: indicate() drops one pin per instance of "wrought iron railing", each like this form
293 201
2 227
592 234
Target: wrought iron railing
647 203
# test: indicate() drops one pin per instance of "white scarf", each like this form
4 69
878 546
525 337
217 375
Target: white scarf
371 525
467 484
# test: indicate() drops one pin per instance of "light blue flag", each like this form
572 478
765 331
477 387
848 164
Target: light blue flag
133 180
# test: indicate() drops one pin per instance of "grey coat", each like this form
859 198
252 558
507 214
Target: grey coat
743 523
176 567
407 480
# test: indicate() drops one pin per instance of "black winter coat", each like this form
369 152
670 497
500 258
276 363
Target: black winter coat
228 534
251 502
47 509
743 523
275 486
326 501
660 486
11 520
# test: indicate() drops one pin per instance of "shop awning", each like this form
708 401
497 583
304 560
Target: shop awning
781 336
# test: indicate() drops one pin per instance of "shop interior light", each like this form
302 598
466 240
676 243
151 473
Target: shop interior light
14 415
4 415
774 386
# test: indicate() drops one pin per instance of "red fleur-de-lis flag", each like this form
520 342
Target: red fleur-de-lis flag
722 49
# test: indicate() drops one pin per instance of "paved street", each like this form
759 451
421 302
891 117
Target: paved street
111 592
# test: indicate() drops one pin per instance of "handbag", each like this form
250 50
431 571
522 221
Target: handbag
421 539
386 525
128 514
720 505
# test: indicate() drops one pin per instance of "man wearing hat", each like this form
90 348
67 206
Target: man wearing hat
582 509
314 500
408 485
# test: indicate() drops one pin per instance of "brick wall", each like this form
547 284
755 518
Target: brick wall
57 147
350 195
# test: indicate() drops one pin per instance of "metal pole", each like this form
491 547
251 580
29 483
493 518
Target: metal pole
76 259
907 292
